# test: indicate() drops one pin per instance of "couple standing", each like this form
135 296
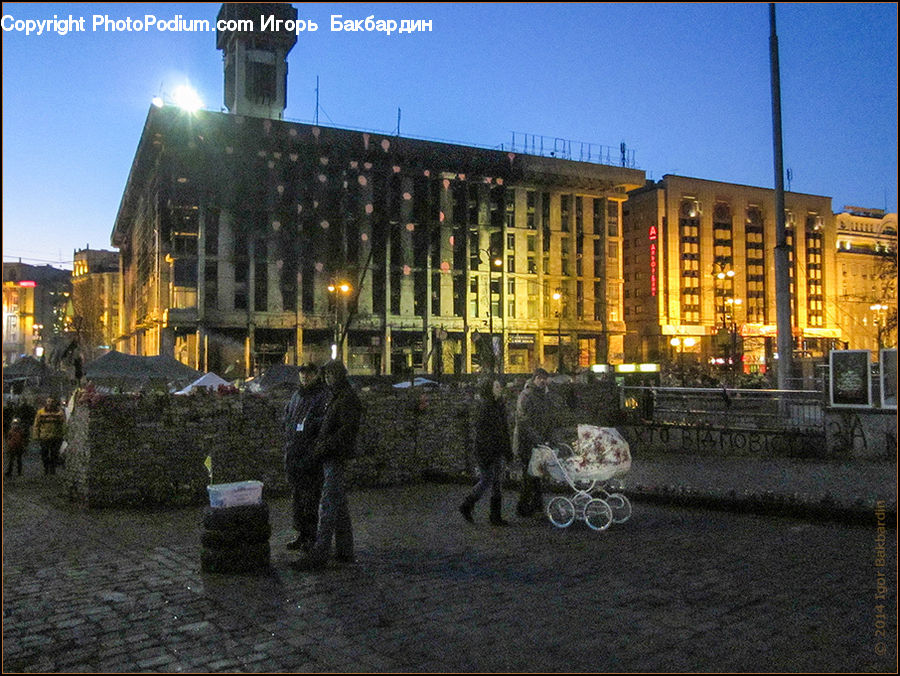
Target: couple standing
321 422
490 441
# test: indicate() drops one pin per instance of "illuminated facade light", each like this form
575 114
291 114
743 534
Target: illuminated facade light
187 99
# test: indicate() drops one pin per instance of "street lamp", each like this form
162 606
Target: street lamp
879 309
733 305
557 296
680 344
339 291
721 276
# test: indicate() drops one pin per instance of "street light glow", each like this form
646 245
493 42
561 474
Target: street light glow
187 99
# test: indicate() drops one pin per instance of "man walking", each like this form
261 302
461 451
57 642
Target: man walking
335 443
302 419
50 429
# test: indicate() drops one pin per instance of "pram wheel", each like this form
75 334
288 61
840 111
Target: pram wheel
597 514
621 507
560 511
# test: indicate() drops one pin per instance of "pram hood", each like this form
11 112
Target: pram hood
598 454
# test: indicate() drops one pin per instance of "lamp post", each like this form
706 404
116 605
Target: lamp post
722 279
557 296
733 304
680 344
493 262
879 309
339 291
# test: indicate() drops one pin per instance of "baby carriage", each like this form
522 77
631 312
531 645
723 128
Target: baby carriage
598 454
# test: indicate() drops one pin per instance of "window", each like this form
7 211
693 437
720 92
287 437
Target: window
612 219
211 226
260 86
565 207
530 215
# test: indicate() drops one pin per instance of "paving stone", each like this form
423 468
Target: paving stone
674 589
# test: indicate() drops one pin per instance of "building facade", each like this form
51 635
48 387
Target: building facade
95 300
35 300
248 240
867 278
699 279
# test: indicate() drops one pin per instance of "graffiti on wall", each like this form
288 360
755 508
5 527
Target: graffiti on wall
715 441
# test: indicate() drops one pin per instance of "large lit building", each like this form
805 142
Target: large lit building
867 278
34 308
700 275
95 299
247 240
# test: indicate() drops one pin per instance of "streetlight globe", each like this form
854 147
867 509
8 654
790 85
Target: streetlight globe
675 342
689 342
345 288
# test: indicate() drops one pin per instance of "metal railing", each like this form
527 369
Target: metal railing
794 410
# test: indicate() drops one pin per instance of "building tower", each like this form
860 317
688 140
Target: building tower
255 46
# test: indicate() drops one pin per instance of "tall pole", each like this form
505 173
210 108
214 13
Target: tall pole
559 363
782 262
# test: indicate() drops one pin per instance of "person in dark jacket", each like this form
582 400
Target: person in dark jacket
302 419
490 442
16 443
534 425
335 443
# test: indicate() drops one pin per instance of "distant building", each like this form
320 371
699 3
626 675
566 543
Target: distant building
35 299
95 299
700 275
247 240
867 277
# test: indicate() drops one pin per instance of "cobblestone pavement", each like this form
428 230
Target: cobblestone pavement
671 590
846 484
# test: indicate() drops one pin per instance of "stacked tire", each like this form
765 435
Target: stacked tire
235 539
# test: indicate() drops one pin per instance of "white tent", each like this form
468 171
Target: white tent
418 382
209 380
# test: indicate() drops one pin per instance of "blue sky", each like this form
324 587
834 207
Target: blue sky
686 87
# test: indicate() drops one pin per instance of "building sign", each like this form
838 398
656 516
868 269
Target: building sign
850 378
521 339
764 330
821 333
653 237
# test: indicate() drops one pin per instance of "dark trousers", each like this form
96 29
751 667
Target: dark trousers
491 477
334 514
50 454
307 492
531 498
14 457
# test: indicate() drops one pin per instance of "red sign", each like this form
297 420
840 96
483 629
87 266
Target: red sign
28 283
652 236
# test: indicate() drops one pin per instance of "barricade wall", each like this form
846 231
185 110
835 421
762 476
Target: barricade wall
150 449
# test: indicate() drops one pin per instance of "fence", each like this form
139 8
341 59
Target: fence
789 410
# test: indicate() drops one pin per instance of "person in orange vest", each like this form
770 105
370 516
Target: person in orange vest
50 430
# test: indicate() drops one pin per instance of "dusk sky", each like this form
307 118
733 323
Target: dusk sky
685 86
